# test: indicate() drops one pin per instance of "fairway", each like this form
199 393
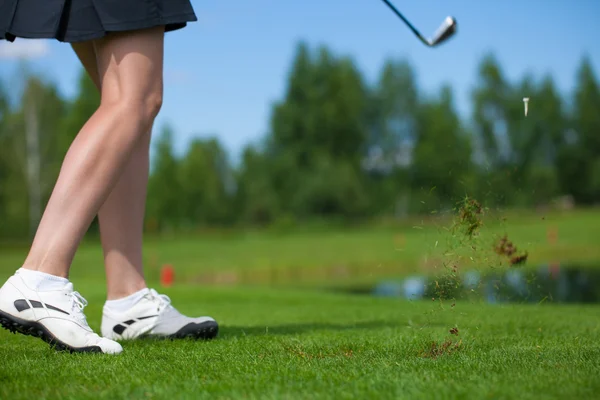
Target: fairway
276 344
313 344
309 257
306 342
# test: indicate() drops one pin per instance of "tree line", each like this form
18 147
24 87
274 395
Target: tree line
337 149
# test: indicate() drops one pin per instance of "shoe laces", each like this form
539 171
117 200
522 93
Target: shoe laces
162 299
78 303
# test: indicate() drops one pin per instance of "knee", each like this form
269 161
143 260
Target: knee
152 105
145 109
141 110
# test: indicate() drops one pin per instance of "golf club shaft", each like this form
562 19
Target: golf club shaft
412 28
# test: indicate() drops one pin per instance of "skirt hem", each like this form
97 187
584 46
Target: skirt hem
171 23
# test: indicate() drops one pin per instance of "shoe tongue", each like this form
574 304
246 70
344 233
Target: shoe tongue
68 287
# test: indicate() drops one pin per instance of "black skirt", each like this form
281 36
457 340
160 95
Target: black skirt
81 20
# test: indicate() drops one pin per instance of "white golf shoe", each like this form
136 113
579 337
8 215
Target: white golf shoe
154 316
55 316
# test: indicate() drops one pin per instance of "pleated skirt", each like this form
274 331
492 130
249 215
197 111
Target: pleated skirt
82 20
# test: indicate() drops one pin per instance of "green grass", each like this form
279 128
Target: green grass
284 343
293 344
351 255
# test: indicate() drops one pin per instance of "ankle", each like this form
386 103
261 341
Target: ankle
46 268
43 281
120 293
123 304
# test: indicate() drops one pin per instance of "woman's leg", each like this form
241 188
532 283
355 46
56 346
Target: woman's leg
38 300
122 214
130 68
121 225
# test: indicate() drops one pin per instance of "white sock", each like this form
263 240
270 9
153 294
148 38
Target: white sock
41 281
125 303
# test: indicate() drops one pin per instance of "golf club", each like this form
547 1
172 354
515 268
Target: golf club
446 29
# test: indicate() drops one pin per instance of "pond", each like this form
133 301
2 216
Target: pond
558 284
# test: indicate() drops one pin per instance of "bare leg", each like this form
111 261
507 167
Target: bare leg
122 214
130 67
122 223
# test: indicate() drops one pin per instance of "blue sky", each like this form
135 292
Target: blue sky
224 72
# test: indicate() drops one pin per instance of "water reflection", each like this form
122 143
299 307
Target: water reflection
566 284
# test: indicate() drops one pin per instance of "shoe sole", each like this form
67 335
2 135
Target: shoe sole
204 330
35 329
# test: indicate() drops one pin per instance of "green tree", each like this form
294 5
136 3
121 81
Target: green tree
442 154
391 117
490 97
256 198
579 168
164 189
541 131
507 143
320 123
393 108
205 178
490 125
30 132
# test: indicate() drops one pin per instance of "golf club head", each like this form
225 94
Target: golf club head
447 29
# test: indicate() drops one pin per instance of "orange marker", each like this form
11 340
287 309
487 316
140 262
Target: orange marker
167 275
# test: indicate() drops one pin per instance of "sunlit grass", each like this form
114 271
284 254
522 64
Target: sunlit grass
290 344
307 256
